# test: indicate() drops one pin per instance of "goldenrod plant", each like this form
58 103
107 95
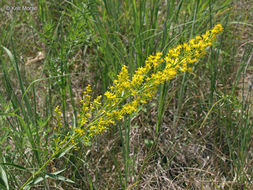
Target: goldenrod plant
127 93
162 108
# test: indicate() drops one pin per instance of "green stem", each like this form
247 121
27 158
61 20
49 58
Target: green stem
46 163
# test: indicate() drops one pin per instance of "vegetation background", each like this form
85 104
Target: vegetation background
195 134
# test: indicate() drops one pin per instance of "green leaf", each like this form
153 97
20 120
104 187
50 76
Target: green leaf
15 166
58 172
52 176
27 187
37 180
3 178
61 154
58 177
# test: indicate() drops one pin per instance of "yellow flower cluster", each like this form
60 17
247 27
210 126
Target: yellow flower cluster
58 117
126 95
59 139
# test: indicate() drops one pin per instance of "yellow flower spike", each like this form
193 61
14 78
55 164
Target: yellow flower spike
128 93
